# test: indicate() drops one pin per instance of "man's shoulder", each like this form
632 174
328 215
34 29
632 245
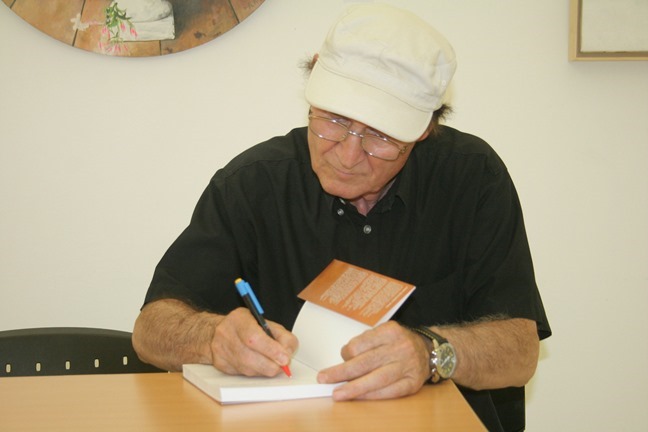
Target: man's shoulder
453 140
291 148
452 144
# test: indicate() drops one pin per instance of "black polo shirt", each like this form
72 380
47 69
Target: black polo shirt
451 224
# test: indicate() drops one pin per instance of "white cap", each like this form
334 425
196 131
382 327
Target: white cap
384 67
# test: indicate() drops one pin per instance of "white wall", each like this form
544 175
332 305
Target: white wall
102 160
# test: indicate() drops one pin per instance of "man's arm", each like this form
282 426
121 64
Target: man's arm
392 361
169 333
494 353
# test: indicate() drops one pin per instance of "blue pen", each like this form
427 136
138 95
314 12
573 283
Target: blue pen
245 290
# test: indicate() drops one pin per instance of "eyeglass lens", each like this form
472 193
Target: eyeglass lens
374 145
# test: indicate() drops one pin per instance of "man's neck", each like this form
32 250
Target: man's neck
365 203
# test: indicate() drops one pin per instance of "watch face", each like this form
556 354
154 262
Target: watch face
446 360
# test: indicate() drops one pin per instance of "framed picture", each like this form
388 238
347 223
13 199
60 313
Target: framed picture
134 28
608 30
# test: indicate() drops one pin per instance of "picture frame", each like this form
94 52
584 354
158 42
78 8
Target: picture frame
608 30
134 28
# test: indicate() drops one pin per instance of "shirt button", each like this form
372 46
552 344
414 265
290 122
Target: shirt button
366 229
340 212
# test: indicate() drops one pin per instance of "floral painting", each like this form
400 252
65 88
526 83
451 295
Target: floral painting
136 28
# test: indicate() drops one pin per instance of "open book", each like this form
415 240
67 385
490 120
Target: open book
342 302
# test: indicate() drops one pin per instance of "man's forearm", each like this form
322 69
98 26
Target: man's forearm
168 333
494 353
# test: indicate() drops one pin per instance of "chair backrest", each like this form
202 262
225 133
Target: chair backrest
68 351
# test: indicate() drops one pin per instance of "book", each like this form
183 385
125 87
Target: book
341 302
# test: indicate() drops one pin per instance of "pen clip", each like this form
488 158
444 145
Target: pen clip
245 289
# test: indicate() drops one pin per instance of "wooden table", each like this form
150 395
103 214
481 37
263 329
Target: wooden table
166 402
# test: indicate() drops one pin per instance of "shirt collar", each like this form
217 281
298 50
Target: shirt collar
399 190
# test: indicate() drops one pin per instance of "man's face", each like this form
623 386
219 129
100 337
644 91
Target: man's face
345 170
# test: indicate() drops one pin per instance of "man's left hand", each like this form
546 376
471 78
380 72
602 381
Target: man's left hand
385 362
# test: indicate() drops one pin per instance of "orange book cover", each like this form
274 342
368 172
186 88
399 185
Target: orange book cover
358 293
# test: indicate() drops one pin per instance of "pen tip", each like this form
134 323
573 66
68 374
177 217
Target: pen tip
286 370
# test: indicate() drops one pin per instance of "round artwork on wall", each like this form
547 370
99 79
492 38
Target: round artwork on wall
134 28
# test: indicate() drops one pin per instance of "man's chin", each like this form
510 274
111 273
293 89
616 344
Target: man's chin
340 192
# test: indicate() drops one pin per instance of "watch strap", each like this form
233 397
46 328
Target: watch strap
437 340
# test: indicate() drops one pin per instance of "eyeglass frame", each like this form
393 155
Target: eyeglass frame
401 148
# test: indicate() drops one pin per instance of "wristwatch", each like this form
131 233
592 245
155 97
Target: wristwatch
443 358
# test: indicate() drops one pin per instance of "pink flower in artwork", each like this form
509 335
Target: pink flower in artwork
104 30
133 31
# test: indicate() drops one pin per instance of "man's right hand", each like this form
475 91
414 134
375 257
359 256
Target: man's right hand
240 346
169 333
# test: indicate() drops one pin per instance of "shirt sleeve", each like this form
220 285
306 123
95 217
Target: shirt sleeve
499 277
204 256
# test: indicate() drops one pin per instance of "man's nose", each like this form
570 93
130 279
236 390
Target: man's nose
349 150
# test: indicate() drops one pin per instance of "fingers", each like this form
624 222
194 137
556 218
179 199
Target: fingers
379 384
285 338
240 346
385 362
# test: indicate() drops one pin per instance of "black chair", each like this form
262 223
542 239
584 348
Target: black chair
68 351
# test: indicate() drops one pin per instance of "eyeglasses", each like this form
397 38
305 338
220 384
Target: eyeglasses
372 143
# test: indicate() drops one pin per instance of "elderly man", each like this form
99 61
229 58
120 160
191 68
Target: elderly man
376 181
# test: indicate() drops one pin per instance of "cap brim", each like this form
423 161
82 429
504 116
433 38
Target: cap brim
367 104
